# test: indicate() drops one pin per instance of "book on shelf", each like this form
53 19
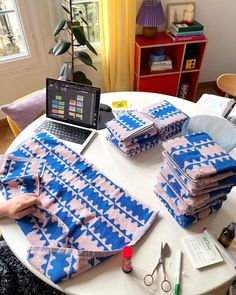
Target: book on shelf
175 33
186 38
160 68
161 65
183 27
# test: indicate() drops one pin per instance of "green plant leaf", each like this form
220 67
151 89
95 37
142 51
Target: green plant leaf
82 18
59 27
72 24
65 8
78 32
90 47
61 47
85 58
81 78
66 69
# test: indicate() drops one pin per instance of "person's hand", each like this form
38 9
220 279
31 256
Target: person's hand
19 206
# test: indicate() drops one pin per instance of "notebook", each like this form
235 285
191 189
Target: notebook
72 111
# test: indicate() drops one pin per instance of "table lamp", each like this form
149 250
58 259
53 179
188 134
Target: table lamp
150 16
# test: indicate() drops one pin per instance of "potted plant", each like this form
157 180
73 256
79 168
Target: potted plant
73 26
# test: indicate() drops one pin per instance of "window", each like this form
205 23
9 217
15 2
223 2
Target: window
12 41
90 11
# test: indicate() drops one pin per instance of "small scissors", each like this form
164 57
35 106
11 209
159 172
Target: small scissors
149 278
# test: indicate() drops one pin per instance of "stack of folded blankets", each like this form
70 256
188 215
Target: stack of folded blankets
137 131
196 177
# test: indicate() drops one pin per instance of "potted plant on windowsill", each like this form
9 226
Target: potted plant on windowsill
73 26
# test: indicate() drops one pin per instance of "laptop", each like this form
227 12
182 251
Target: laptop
72 111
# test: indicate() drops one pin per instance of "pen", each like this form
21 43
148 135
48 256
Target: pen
178 272
222 250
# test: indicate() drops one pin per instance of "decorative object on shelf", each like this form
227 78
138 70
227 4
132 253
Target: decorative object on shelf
150 16
177 12
188 14
72 25
190 58
183 89
157 54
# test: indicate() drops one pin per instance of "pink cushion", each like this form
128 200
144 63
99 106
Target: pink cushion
25 111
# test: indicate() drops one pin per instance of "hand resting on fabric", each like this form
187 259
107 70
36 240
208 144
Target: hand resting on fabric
19 206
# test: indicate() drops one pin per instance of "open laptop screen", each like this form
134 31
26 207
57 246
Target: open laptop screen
73 103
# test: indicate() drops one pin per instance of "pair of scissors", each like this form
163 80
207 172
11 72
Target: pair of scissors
149 278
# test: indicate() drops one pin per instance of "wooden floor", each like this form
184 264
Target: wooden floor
6 136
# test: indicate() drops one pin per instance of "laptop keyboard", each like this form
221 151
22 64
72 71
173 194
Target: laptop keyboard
65 132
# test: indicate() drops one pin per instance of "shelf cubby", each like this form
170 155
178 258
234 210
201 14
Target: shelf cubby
168 81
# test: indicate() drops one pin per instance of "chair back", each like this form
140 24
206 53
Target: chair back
227 84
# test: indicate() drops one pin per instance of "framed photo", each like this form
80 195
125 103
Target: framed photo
175 11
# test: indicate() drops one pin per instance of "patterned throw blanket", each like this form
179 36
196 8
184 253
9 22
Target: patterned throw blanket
136 131
196 177
167 118
84 219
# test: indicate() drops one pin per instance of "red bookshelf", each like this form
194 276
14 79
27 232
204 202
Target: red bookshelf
169 81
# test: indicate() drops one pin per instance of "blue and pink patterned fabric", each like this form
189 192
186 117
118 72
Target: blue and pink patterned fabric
132 133
167 118
85 218
196 177
136 131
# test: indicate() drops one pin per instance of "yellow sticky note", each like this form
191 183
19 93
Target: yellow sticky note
122 104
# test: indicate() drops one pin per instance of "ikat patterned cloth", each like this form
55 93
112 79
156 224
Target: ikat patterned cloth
135 148
130 125
167 118
196 177
198 156
203 185
166 195
85 218
185 203
137 131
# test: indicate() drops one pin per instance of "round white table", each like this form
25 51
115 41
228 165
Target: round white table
138 176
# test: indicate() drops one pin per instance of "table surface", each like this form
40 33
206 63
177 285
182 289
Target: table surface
138 176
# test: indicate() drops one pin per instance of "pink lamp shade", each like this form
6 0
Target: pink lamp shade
150 16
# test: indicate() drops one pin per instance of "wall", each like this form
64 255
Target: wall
218 17
219 20
16 79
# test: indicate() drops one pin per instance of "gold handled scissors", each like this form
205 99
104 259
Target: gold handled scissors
149 278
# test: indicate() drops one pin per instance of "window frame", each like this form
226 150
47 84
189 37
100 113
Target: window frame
97 45
37 59
6 13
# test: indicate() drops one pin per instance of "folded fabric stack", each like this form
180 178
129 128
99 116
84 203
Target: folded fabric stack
167 118
137 131
132 133
196 177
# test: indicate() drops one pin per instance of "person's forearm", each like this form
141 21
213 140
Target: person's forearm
3 209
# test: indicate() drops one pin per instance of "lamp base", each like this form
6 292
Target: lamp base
149 32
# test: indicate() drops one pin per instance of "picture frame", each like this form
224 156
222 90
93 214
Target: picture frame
175 11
